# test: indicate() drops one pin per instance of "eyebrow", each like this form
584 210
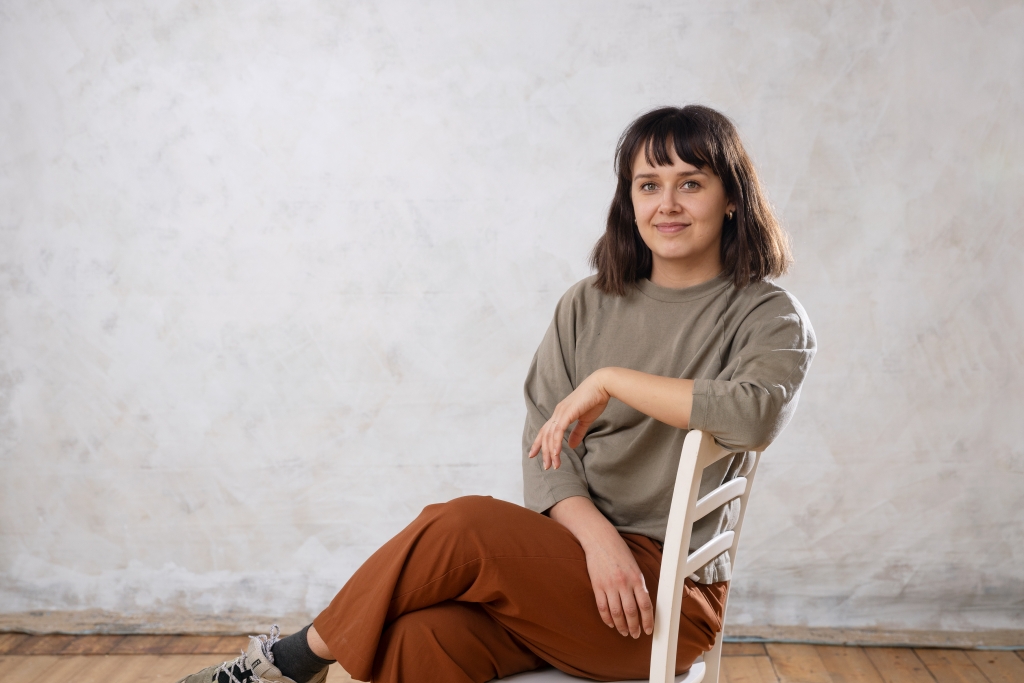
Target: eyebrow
678 175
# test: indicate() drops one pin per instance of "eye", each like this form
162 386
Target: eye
648 187
691 185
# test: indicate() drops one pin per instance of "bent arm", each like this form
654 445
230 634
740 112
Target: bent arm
666 399
619 587
745 407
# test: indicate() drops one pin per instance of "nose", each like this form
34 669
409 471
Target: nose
669 201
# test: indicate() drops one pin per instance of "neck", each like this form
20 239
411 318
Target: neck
680 276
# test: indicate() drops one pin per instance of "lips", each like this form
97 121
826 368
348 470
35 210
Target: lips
668 228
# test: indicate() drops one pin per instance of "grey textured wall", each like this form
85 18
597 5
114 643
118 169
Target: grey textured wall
272 273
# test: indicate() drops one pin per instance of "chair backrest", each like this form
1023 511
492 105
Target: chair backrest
699 450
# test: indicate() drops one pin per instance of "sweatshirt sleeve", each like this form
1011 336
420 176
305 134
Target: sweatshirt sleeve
756 393
551 378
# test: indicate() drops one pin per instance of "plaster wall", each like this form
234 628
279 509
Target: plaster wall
271 274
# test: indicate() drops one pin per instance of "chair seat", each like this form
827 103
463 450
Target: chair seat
694 675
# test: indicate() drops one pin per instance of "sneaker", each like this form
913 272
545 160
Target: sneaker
255 665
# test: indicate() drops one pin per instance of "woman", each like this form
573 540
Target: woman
682 329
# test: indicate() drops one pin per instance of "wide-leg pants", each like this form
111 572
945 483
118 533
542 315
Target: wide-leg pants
477 589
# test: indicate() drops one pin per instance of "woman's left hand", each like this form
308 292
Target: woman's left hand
584 405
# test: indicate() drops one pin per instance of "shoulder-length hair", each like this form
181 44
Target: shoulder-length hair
754 246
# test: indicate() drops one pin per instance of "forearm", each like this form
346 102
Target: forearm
620 590
666 399
582 518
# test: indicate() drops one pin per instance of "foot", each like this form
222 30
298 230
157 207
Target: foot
255 665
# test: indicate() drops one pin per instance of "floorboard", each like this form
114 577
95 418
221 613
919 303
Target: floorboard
26 668
795 663
898 665
998 666
43 645
950 666
848 664
99 669
748 669
9 641
743 649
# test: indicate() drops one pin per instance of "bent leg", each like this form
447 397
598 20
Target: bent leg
527 572
456 642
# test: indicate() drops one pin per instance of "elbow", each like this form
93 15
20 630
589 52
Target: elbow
757 427
752 436
756 437
745 417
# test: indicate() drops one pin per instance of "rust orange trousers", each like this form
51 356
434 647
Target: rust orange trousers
477 589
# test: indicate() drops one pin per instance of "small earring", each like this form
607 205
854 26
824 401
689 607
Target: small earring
729 215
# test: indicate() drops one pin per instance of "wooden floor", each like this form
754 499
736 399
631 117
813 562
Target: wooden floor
165 659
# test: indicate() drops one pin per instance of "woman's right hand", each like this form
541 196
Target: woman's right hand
619 587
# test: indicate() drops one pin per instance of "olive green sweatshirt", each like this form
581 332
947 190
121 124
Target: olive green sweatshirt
747 351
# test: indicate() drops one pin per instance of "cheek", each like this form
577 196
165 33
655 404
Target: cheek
711 212
643 209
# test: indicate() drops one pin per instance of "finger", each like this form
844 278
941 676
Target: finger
557 432
535 448
544 436
631 613
552 440
643 601
615 607
602 608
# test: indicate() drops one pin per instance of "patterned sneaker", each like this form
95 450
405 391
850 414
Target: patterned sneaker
255 665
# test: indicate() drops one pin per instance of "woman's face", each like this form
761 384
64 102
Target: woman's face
679 212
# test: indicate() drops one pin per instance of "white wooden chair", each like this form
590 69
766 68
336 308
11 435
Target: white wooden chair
699 451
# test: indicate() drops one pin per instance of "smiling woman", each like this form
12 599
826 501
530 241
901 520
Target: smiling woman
687 192
679 211
680 326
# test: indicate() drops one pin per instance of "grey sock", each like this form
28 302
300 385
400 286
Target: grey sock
295 659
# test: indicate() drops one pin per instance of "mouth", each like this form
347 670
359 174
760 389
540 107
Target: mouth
670 228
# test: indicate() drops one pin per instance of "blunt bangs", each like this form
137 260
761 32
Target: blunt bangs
693 139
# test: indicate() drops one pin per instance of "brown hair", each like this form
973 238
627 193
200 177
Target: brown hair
754 245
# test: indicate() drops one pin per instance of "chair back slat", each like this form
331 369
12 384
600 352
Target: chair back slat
721 543
719 497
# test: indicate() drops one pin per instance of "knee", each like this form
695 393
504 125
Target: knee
464 512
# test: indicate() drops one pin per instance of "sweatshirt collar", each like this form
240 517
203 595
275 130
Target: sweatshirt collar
669 295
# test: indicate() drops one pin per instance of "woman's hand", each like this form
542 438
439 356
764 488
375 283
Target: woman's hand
619 587
666 399
584 405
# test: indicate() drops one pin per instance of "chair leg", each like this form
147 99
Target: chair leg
713 660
